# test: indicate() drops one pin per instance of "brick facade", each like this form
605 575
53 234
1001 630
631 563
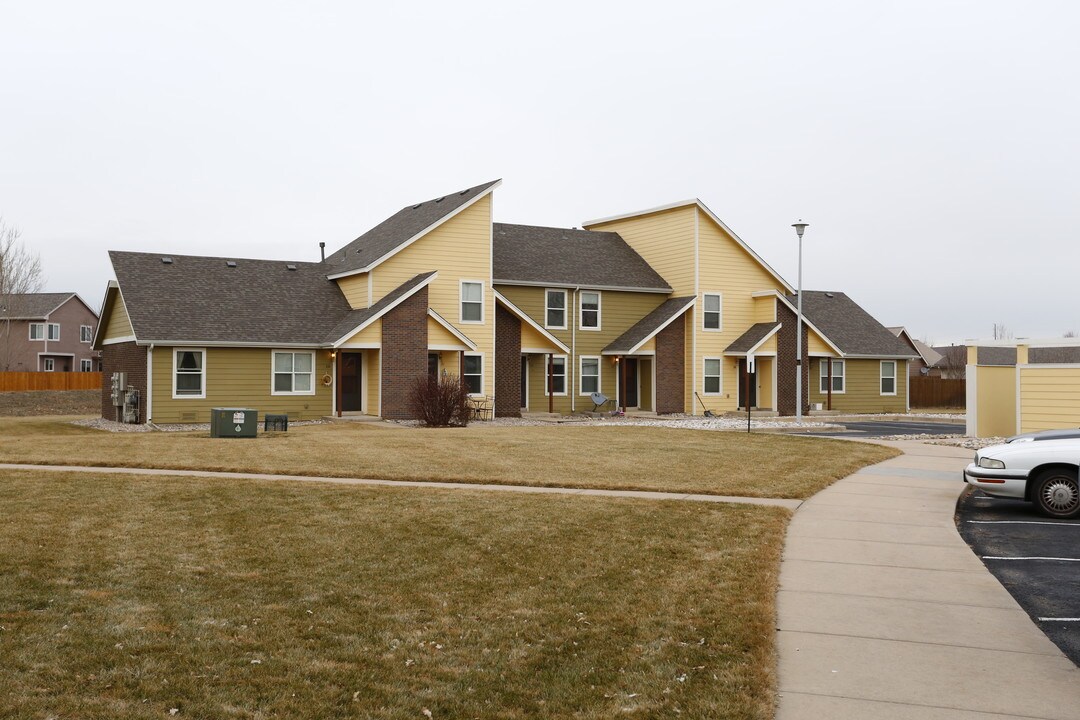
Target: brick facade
671 367
127 358
404 353
507 363
785 362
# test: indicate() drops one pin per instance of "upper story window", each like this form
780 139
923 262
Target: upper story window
86 333
37 331
294 373
555 309
189 373
472 301
711 311
590 310
837 375
888 377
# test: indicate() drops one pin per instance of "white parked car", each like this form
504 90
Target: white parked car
1041 468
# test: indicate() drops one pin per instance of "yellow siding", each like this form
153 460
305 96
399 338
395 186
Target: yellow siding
648 347
236 377
459 249
533 340
765 309
371 335
726 268
995 400
666 241
355 290
372 370
817 346
862 388
439 335
769 346
1049 398
766 398
118 325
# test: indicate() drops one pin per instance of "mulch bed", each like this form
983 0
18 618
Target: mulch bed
50 402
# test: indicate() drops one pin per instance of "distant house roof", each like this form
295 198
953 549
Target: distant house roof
34 306
398 230
929 355
204 300
754 336
996 356
851 329
529 254
1043 355
647 327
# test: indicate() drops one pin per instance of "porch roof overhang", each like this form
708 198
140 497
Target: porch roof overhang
357 320
649 326
556 344
466 343
750 341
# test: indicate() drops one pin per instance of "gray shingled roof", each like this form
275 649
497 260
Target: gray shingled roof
31 306
750 338
997 356
1067 354
853 330
648 325
201 299
560 256
356 318
398 229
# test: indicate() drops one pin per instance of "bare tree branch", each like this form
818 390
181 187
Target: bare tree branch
20 275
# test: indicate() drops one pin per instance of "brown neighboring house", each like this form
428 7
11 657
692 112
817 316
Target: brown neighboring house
926 363
51 332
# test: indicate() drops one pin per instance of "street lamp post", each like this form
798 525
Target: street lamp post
800 227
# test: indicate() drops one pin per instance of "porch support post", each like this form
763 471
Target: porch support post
551 383
829 406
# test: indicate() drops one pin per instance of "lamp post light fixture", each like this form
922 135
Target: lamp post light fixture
800 227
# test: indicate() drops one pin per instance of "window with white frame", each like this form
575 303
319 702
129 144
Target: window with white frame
555 309
294 373
86 333
590 375
711 311
558 375
473 373
48 364
54 331
888 377
472 302
86 365
189 373
837 375
713 371
590 310
37 331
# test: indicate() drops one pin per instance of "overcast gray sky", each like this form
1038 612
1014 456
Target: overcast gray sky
930 145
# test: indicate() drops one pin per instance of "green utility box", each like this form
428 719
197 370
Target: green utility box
233 422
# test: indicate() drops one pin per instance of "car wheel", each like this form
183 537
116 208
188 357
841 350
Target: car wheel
1057 493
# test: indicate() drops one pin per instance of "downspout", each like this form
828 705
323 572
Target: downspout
573 353
149 383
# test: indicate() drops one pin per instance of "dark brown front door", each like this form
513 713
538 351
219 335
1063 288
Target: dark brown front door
743 382
350 382
630 368
433 365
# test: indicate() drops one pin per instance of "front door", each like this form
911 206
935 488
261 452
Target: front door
350 382
744 381
630 386
433 365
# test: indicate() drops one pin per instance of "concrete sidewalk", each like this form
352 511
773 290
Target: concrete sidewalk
884 612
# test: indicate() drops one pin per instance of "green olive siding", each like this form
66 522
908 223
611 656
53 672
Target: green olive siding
619 311
862 388
236 377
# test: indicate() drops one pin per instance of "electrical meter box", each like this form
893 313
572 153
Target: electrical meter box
233 422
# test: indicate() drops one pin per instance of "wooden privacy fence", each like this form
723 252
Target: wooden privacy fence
23 381
933 392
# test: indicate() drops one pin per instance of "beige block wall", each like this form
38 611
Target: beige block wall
236 377
459 249
995 400
862 387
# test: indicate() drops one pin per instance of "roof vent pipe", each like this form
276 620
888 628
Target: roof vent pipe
322 251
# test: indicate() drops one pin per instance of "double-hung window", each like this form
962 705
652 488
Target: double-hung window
294 373
558 375
473 373
888 377
472 301
713 370
189 373
86 333
37 331
837 376
590 375
555 309
711 311
590 310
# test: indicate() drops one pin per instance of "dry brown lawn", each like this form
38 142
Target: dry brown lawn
128 597
637 458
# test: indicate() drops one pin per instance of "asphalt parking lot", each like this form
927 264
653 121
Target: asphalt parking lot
886 428
1037 559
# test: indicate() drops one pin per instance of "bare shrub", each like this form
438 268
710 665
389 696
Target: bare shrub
440 401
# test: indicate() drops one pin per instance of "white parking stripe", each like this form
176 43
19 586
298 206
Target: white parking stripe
1021 522
999 557
1058 619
